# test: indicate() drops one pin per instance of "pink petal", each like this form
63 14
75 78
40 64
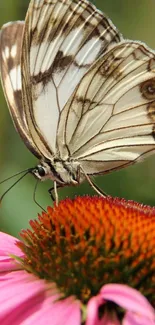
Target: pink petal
128 298
133 319
65 312
92 313
16 289
7 247
26 300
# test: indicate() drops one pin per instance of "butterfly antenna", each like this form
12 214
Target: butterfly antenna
34 196
10 177
18 180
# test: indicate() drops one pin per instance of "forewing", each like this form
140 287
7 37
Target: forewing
110 118
62 39
10 70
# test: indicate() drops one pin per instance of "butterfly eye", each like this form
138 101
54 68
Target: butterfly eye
41 171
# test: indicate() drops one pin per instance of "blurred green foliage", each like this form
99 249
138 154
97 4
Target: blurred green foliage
135 19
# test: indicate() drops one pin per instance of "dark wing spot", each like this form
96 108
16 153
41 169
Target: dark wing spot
151 64
151 115
153 132
87 104
61 61
111 67
147 89
59 64
151 111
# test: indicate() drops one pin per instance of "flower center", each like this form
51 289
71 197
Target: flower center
86 243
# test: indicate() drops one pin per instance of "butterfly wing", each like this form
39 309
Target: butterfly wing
10 51
110 117
61 41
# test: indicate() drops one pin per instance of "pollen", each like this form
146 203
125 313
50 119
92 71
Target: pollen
84 243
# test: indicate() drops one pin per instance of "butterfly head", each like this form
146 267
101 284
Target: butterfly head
42 171
39 172
63 172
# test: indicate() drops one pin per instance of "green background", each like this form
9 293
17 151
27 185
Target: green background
136 20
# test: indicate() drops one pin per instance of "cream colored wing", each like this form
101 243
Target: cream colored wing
62 39
10 70
110 118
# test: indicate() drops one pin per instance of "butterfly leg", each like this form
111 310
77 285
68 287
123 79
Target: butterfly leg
55 196
93 185
34 197
56 193
54 189
51 194
97 189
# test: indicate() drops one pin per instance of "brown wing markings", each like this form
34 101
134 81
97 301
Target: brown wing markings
101 85
71 59
11 35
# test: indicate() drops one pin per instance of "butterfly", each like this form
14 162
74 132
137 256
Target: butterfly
81 97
